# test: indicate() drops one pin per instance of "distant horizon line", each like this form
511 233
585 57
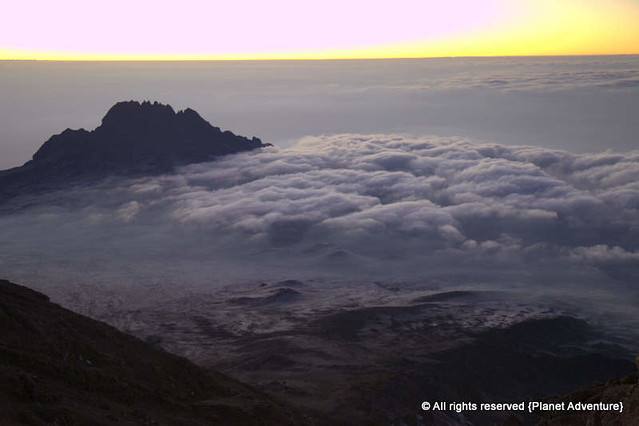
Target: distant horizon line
316 59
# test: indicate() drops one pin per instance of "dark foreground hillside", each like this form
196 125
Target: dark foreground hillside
58 367
61 368
624 390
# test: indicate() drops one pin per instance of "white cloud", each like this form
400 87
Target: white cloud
429 204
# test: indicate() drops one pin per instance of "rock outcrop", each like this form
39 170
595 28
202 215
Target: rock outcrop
134 138
625 390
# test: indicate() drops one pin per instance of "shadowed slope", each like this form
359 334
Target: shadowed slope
60 367
625 390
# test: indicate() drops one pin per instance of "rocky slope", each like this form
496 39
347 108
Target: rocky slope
134 138
369 365
374 361
58 367
624 390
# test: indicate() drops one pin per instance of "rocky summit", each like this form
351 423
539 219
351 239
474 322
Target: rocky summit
134 138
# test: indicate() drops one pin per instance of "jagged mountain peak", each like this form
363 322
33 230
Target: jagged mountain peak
135 112
135 138
134 134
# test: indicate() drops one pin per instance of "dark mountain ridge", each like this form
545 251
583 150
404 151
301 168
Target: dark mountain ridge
58 367
134 138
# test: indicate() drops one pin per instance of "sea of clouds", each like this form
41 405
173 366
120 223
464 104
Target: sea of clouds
370 206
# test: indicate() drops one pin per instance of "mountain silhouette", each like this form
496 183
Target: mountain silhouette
134 139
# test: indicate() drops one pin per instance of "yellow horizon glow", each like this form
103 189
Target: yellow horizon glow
496 28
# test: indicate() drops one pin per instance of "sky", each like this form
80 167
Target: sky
331 29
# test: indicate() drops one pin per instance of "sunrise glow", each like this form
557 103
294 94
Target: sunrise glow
284 29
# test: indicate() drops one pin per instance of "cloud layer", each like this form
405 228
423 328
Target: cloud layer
438 193
363 205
